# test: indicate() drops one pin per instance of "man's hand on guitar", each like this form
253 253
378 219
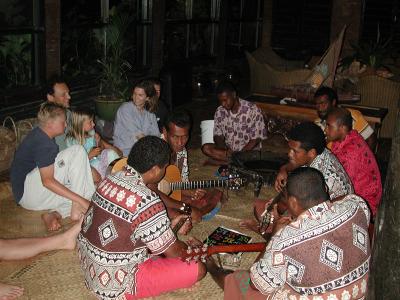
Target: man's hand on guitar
280 221
185 227
194 243
196 214
280 180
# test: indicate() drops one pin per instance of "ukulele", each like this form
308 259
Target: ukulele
187 210
172 184
267 217
201 253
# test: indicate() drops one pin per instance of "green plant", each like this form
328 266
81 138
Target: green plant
15 56
370 53
113 79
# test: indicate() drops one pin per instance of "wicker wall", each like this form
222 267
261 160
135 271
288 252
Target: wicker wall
381 92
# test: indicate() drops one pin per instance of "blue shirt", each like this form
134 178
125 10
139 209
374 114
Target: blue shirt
36 150
130 123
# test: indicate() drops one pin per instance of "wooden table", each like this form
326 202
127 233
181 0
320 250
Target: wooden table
307 111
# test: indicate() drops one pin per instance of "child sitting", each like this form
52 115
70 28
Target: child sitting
100 153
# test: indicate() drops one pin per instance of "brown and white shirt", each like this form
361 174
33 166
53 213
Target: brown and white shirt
323 254
182 164
125 224
338 181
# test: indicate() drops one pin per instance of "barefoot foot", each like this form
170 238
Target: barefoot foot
8 292
52 220
249 225
69 236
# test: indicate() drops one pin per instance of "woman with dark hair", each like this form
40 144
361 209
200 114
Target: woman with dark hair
135 119
160 109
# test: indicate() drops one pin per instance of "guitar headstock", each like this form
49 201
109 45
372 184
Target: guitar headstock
196 253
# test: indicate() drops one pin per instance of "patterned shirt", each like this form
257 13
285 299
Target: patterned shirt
359 162
182 164
238 129
325 252
125 222
336 178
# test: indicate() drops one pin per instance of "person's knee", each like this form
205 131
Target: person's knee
207 149
2 249
202 271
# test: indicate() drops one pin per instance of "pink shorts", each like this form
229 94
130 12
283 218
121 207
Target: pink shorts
159 275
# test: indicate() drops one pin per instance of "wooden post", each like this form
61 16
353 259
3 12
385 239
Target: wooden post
223 24
52 13
267 24
384 278
158 22
346 12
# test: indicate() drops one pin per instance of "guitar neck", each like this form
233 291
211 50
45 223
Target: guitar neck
253 247
199 184
180 224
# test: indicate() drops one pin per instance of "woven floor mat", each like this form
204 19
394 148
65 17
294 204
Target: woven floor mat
57 275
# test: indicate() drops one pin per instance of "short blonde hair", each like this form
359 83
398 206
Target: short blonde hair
49 111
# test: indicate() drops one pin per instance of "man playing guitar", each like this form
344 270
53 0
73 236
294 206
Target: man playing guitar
176 132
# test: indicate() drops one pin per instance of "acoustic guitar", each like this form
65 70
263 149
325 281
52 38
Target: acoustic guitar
201 253
173 185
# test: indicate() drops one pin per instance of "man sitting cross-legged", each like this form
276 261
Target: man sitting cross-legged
43 178
23 248
307 148
127 247
323 253
176 132
238 125
356 157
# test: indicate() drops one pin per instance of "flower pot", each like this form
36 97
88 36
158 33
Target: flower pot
106 107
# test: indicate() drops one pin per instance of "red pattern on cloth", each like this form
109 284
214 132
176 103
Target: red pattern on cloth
360 164
125 225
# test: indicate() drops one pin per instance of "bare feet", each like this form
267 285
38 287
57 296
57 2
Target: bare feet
78 210
249 225
52 220
69 237
8 292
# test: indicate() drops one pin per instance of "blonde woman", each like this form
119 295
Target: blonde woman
100 153
135 119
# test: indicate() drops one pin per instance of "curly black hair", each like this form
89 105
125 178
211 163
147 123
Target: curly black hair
148 152
310 136
180 118
308 186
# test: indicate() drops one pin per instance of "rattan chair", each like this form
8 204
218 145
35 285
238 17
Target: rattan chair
378 91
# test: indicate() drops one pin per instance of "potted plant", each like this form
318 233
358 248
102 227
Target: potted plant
369 55
113 79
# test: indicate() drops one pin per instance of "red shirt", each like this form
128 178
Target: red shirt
360 164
